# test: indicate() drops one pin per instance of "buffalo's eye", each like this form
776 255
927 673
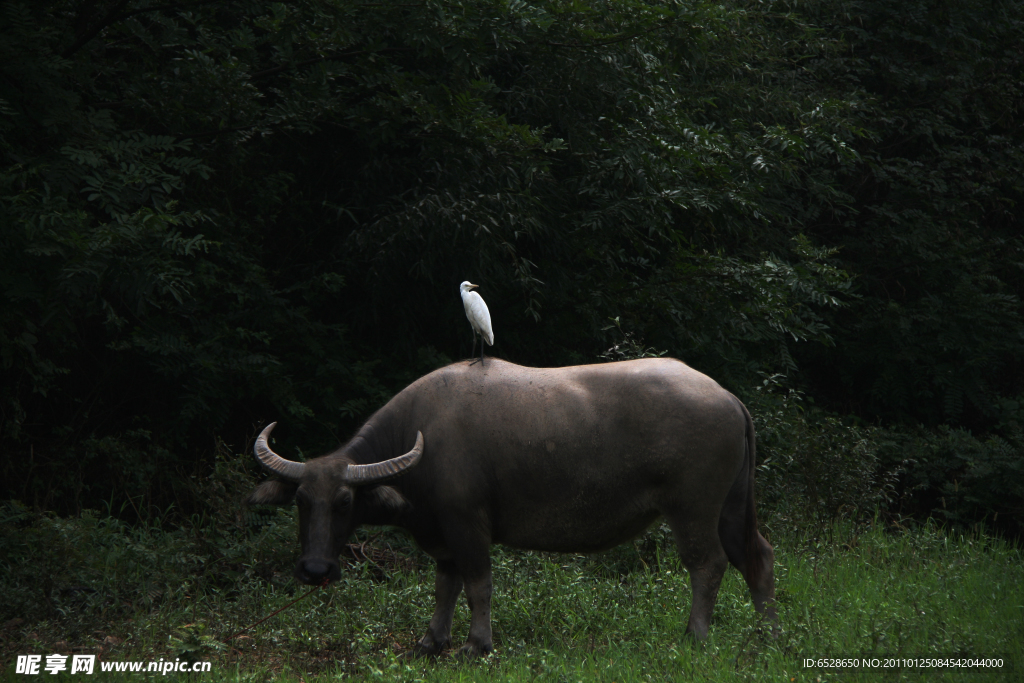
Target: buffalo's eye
343 498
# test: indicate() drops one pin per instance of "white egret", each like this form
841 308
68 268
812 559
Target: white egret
479 317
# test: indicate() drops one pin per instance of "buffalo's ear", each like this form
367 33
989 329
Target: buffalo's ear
381 504
273 492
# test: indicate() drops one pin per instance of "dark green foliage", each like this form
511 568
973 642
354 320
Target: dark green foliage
814 470
960 477
74 571
930 229
932 343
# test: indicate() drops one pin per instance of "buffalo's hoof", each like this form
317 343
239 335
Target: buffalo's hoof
472 651
420 650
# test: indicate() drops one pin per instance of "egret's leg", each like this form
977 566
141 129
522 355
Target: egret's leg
473 352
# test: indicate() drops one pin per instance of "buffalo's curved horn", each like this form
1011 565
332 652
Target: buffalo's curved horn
360 475
286 469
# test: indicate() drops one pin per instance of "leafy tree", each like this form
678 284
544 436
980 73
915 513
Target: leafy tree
216 214
930 232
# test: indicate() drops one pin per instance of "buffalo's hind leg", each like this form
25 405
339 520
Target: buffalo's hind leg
447 586
705 560
757 569
762 586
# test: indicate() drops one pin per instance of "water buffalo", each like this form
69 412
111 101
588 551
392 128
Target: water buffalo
575 459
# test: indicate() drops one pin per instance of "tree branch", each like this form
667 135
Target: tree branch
163 7
315 60
89 34
606 42
112 18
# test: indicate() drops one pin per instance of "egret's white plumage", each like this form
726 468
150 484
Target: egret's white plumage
479 316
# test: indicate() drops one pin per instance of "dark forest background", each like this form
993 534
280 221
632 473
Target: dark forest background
214 215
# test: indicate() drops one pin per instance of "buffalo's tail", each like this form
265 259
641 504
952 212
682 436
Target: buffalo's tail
754 566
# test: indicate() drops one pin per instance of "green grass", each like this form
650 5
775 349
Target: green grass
619 616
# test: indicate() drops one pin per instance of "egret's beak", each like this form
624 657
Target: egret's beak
472 286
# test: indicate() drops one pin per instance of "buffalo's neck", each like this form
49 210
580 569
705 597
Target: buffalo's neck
377 440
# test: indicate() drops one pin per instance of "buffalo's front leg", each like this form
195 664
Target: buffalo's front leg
447 586
478 594
470 547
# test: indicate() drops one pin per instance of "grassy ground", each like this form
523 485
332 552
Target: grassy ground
146 594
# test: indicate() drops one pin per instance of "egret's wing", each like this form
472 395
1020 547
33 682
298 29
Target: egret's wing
479 316
467 303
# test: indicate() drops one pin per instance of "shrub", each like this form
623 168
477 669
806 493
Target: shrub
813 468
961 477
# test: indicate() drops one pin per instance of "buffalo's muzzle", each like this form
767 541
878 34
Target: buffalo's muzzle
315 571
